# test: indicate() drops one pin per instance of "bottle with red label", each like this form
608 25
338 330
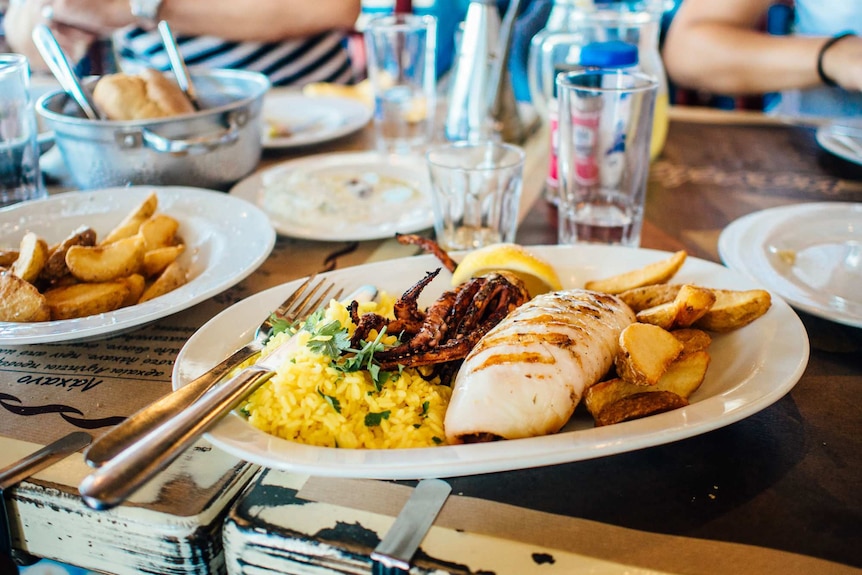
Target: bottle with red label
572 26
590 144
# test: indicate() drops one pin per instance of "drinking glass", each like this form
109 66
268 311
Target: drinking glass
476 190
401 51
20 178
606 119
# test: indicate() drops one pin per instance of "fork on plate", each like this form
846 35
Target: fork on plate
303 301
138 457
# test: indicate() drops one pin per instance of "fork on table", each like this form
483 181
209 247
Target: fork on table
303 301
155 442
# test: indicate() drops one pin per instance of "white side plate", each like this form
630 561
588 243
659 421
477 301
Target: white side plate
304 198
810 254
306 120
842 145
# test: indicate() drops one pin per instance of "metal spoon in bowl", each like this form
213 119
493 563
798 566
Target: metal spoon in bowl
56 60
178 65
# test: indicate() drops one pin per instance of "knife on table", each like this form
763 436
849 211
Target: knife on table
14 474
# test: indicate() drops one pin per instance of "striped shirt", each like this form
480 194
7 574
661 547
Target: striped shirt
321 58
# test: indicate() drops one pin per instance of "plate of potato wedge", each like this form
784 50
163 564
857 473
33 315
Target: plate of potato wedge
709 348
89 264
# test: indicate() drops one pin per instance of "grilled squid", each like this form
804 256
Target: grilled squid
526 376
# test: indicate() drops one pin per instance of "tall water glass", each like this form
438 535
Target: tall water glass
606 119
20 178
401 54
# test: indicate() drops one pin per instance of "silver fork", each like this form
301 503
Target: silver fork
303 301
141 459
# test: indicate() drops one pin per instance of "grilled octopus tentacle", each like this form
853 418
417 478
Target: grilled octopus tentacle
429 246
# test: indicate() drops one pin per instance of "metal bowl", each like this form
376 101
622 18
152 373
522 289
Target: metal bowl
212 148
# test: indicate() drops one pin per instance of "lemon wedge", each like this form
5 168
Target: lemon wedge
538 275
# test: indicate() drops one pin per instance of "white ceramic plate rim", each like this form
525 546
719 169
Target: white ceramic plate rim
251 189
768 366
348 116
226 240
827 141
742 246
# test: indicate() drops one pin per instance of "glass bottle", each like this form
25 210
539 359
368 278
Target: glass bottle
573 24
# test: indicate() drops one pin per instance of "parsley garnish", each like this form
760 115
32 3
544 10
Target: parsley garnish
373 419
364 359
330 338
436 440
425 406
332 401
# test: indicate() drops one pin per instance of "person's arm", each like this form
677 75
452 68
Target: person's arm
261 20
18 23
716 46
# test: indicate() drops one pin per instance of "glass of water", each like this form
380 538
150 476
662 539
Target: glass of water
606 119
401 51
476 192
20 178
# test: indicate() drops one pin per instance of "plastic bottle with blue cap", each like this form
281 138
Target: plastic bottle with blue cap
619 56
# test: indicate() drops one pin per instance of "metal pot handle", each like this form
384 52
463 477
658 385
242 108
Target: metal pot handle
189 146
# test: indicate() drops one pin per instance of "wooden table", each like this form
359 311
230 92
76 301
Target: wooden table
745 498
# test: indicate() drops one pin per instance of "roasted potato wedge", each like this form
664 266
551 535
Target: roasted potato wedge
32 255
654 273
55 267
8 257
645 353
20 301
639 405
690 304
104 263
159 231
173 277
734 309
682 378
156 260
136 284
83 299
648 296
130 225
692 339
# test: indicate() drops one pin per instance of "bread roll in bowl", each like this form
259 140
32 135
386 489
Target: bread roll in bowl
143 96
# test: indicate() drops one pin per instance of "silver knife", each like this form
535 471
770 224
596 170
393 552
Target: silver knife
397 548
20 470
23 469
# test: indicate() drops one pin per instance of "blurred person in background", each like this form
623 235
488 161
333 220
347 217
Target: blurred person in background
293 42
721 47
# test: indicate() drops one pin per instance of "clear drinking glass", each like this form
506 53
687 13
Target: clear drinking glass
606 120
476 188
20 177
401 55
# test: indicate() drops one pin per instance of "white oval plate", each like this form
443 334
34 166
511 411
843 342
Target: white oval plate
809 254
340 221
750 369
226 240
310 120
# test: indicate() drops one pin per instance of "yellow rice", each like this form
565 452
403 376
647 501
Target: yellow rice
299 402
